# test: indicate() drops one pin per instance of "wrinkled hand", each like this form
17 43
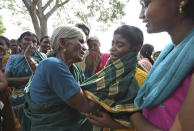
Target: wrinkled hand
29 51
103 120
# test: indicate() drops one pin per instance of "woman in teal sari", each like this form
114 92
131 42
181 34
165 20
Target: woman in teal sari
18 73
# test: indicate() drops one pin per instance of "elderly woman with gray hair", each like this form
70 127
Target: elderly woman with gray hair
55 99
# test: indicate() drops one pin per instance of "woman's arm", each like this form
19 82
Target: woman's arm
16 81
105 121
185 117
28 56
80 102
139 122
3 82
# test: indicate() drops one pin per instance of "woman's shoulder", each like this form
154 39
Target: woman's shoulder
15 56
53 62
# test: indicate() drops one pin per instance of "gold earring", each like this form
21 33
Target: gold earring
64 50
181 7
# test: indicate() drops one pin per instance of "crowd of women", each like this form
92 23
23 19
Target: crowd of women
56 84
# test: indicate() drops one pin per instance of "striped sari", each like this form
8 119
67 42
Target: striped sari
115 88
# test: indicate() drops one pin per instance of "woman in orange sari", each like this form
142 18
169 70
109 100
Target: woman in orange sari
6 111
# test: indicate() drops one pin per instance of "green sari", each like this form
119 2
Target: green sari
115 88
55 115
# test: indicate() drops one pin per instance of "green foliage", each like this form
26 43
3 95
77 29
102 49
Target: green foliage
86 11
9 4
102 10
2 28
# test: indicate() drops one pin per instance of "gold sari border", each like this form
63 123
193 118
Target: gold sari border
117 109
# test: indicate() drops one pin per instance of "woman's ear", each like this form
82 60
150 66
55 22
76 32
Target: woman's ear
136 49
62 42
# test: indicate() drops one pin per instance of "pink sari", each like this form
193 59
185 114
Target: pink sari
103 59
164 115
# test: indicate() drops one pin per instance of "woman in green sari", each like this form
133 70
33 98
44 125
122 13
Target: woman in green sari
55 99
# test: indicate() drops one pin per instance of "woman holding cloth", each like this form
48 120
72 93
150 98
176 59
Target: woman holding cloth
55 99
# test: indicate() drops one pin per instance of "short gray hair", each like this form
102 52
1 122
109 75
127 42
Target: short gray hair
64 32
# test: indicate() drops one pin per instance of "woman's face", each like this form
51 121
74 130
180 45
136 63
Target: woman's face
159 15
75 49
28 40
45 45
120 46
3 48
14 47
94 45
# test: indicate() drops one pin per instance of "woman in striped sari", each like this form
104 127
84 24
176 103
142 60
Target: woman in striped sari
118 83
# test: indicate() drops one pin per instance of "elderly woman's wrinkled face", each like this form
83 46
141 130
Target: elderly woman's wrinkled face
28 40
120 46
159 15
75 49
3 47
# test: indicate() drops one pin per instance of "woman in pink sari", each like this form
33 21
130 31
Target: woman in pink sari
96 60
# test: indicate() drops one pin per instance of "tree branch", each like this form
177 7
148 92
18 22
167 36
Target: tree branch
48 14
46 5
57 5
35 23
27 4
34 3
39 11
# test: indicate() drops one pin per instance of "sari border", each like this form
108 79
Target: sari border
125 123
116 109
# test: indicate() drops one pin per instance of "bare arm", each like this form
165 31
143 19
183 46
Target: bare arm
139 122
185 117
28 55
105 121
3 82
32 63
81 103
16 81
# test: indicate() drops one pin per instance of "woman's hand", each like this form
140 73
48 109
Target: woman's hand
29 51
104 120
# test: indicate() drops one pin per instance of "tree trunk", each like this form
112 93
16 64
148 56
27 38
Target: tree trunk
36 24
43 26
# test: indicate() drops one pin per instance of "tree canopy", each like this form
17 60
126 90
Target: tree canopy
2 28
67 11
